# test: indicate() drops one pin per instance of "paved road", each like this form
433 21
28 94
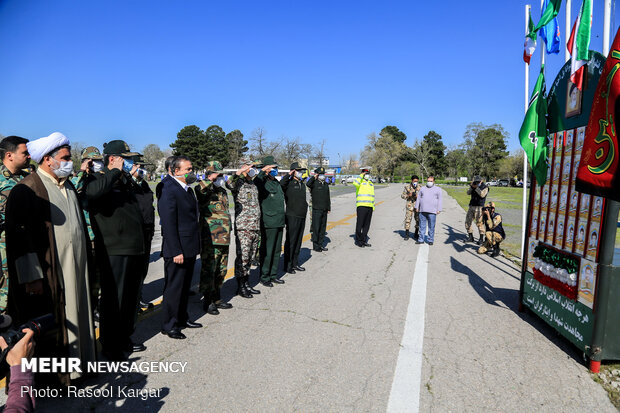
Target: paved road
331 338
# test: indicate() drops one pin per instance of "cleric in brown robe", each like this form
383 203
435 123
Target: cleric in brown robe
47 253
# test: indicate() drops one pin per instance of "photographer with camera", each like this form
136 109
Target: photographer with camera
478 190
17 400
494 231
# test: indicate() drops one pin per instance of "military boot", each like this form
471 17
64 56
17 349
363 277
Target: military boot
471 237
250 289
495 250
218 301
406 234
481 240
208 305
242 290
416 234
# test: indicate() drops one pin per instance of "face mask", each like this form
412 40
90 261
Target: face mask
190 178
298 174
219 182
321 177
273 172
63 169
252 173
127 165
429 184
415 184
97 166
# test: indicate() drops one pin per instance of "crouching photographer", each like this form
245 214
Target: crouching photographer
17 345
494 234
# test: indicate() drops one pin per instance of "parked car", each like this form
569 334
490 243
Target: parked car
503 182
492 183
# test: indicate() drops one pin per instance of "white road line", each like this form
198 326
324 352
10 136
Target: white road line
405 394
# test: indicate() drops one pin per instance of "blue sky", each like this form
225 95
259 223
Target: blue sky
334 70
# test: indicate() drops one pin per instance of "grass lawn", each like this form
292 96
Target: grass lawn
508 203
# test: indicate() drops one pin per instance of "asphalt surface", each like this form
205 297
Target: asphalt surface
330 339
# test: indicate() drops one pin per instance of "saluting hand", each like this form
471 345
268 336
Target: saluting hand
116 163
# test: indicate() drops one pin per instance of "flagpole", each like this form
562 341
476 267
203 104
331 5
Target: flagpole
527 101
567 29
607 21
542 42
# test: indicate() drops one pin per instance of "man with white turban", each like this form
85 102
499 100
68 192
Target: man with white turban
47 249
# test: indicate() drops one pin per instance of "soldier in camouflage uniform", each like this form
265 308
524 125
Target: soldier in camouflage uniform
247 225
478 190
215 235
410 194
15 159
92 163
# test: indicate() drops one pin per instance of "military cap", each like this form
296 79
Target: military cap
297 166
491 205
92 153
269 160
319 170
477 178
214 166
118 147
246 160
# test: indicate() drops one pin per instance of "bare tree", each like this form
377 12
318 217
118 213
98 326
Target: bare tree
319 152
259 142
422 155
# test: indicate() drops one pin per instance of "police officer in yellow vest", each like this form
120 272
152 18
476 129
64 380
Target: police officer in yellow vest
365 202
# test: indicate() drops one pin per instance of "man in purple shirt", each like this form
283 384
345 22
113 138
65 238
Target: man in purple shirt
428 204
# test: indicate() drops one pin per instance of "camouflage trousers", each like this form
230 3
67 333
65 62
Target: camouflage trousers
474 213
491 239
411 214
214 265
247 242
4 277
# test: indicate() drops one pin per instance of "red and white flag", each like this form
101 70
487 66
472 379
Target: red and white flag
579 44
530 41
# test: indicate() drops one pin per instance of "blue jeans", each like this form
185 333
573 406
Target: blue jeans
427 217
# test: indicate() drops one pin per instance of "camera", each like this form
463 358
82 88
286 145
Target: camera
39 326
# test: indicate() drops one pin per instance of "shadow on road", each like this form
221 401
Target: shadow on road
510 300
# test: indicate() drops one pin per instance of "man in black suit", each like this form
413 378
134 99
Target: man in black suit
160 186
178 211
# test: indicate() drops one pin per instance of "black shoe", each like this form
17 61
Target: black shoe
174 333
416 234
359 244
191 324
471 237
419 242
367 244
317 249
291 271
223 305
481 240
136 348
406 234
250 289
242 290
496 251
299 268
267 283
212 309
430 243
277 281
324 249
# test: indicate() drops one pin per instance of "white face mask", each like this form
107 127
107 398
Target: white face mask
97 166
252 173
321 177
63 168
415 184
298 174
430 184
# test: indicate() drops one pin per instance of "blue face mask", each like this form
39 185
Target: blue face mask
127 165
273 172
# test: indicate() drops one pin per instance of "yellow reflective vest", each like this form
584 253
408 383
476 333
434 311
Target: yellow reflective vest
365 192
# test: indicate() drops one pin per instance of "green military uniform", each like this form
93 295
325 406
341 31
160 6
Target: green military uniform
215 234
321 205
80 182
271 199
8 181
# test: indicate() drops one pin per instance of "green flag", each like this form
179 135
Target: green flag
533 133
552 10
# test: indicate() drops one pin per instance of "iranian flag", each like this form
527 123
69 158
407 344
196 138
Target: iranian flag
530 41
579 44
